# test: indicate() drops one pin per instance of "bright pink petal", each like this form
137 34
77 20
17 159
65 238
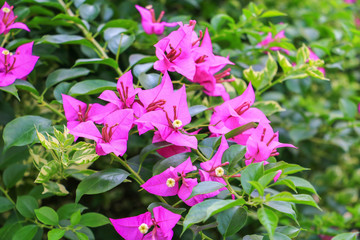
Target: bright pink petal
157 184
128 228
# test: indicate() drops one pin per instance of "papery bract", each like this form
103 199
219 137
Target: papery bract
138 227
262 144
7 20
150 24
314 57
16 65
114 134
235 113
174 53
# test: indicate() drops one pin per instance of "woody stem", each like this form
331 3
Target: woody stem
42 102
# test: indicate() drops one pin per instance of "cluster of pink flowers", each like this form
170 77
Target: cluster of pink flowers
165 111
19 64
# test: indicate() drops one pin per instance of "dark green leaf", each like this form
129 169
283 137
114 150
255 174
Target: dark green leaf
94 220
301 183
346 236
89 12
172 161
277 236
253 172
290 231
195 110
233 155
121 40
13 174
66 39
26 205
150 80
205 187
11 89
81 236
231 221
47 215
100 182
65 74
25 85
108 61
269 220
295 198
5 204
67 210
89 87
26 233
168 207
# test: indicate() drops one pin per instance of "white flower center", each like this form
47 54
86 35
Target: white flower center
6 10
177 123
5 52
170 182
143 228
219 172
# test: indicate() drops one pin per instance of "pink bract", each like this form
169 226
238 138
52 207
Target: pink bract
150 24
7 20
269 39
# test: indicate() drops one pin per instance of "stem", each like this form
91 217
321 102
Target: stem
177 203
135 175
88 35
231 190
5 40
119 49
279 80
42 102
7 195
204 159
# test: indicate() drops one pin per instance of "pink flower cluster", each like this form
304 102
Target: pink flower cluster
19 64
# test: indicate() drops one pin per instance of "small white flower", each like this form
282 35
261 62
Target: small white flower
177 123
143 228
219 171
170 182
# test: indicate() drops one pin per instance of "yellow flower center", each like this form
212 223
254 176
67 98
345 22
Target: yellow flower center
5 52
177 123
170 182
143 228
219 172
6 10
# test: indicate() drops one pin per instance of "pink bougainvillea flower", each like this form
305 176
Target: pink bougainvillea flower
114 134
350 1
235 113
154 99
278 173
126 91
16 65
7 20
167 183
163 221
150 23
174 53
262 144
269 39
207 65
213 170
314 57
170 120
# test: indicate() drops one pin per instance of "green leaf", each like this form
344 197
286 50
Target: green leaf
272 13
67 210
295 198
196 109
231 221
94 220
346 236
253 172
284 63
12 90
75 218
270 68
269 107
269 220
108 61
128 24
218 21
66 39
239 130
348 108
301 183
121 40
64 75
56 234
254 77
84 154
5 204
100 182
25 85
205 187
253 237
47 215
302 55
267 178
258 187
284 207
202 211
172 161
26 205
54 188
26 233
81 236
89 12
278 236
71 19
21 131
233 155
13 174
89 87
48 171
149 81
290 231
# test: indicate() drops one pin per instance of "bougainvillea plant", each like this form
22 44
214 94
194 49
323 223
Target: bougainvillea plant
165 119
